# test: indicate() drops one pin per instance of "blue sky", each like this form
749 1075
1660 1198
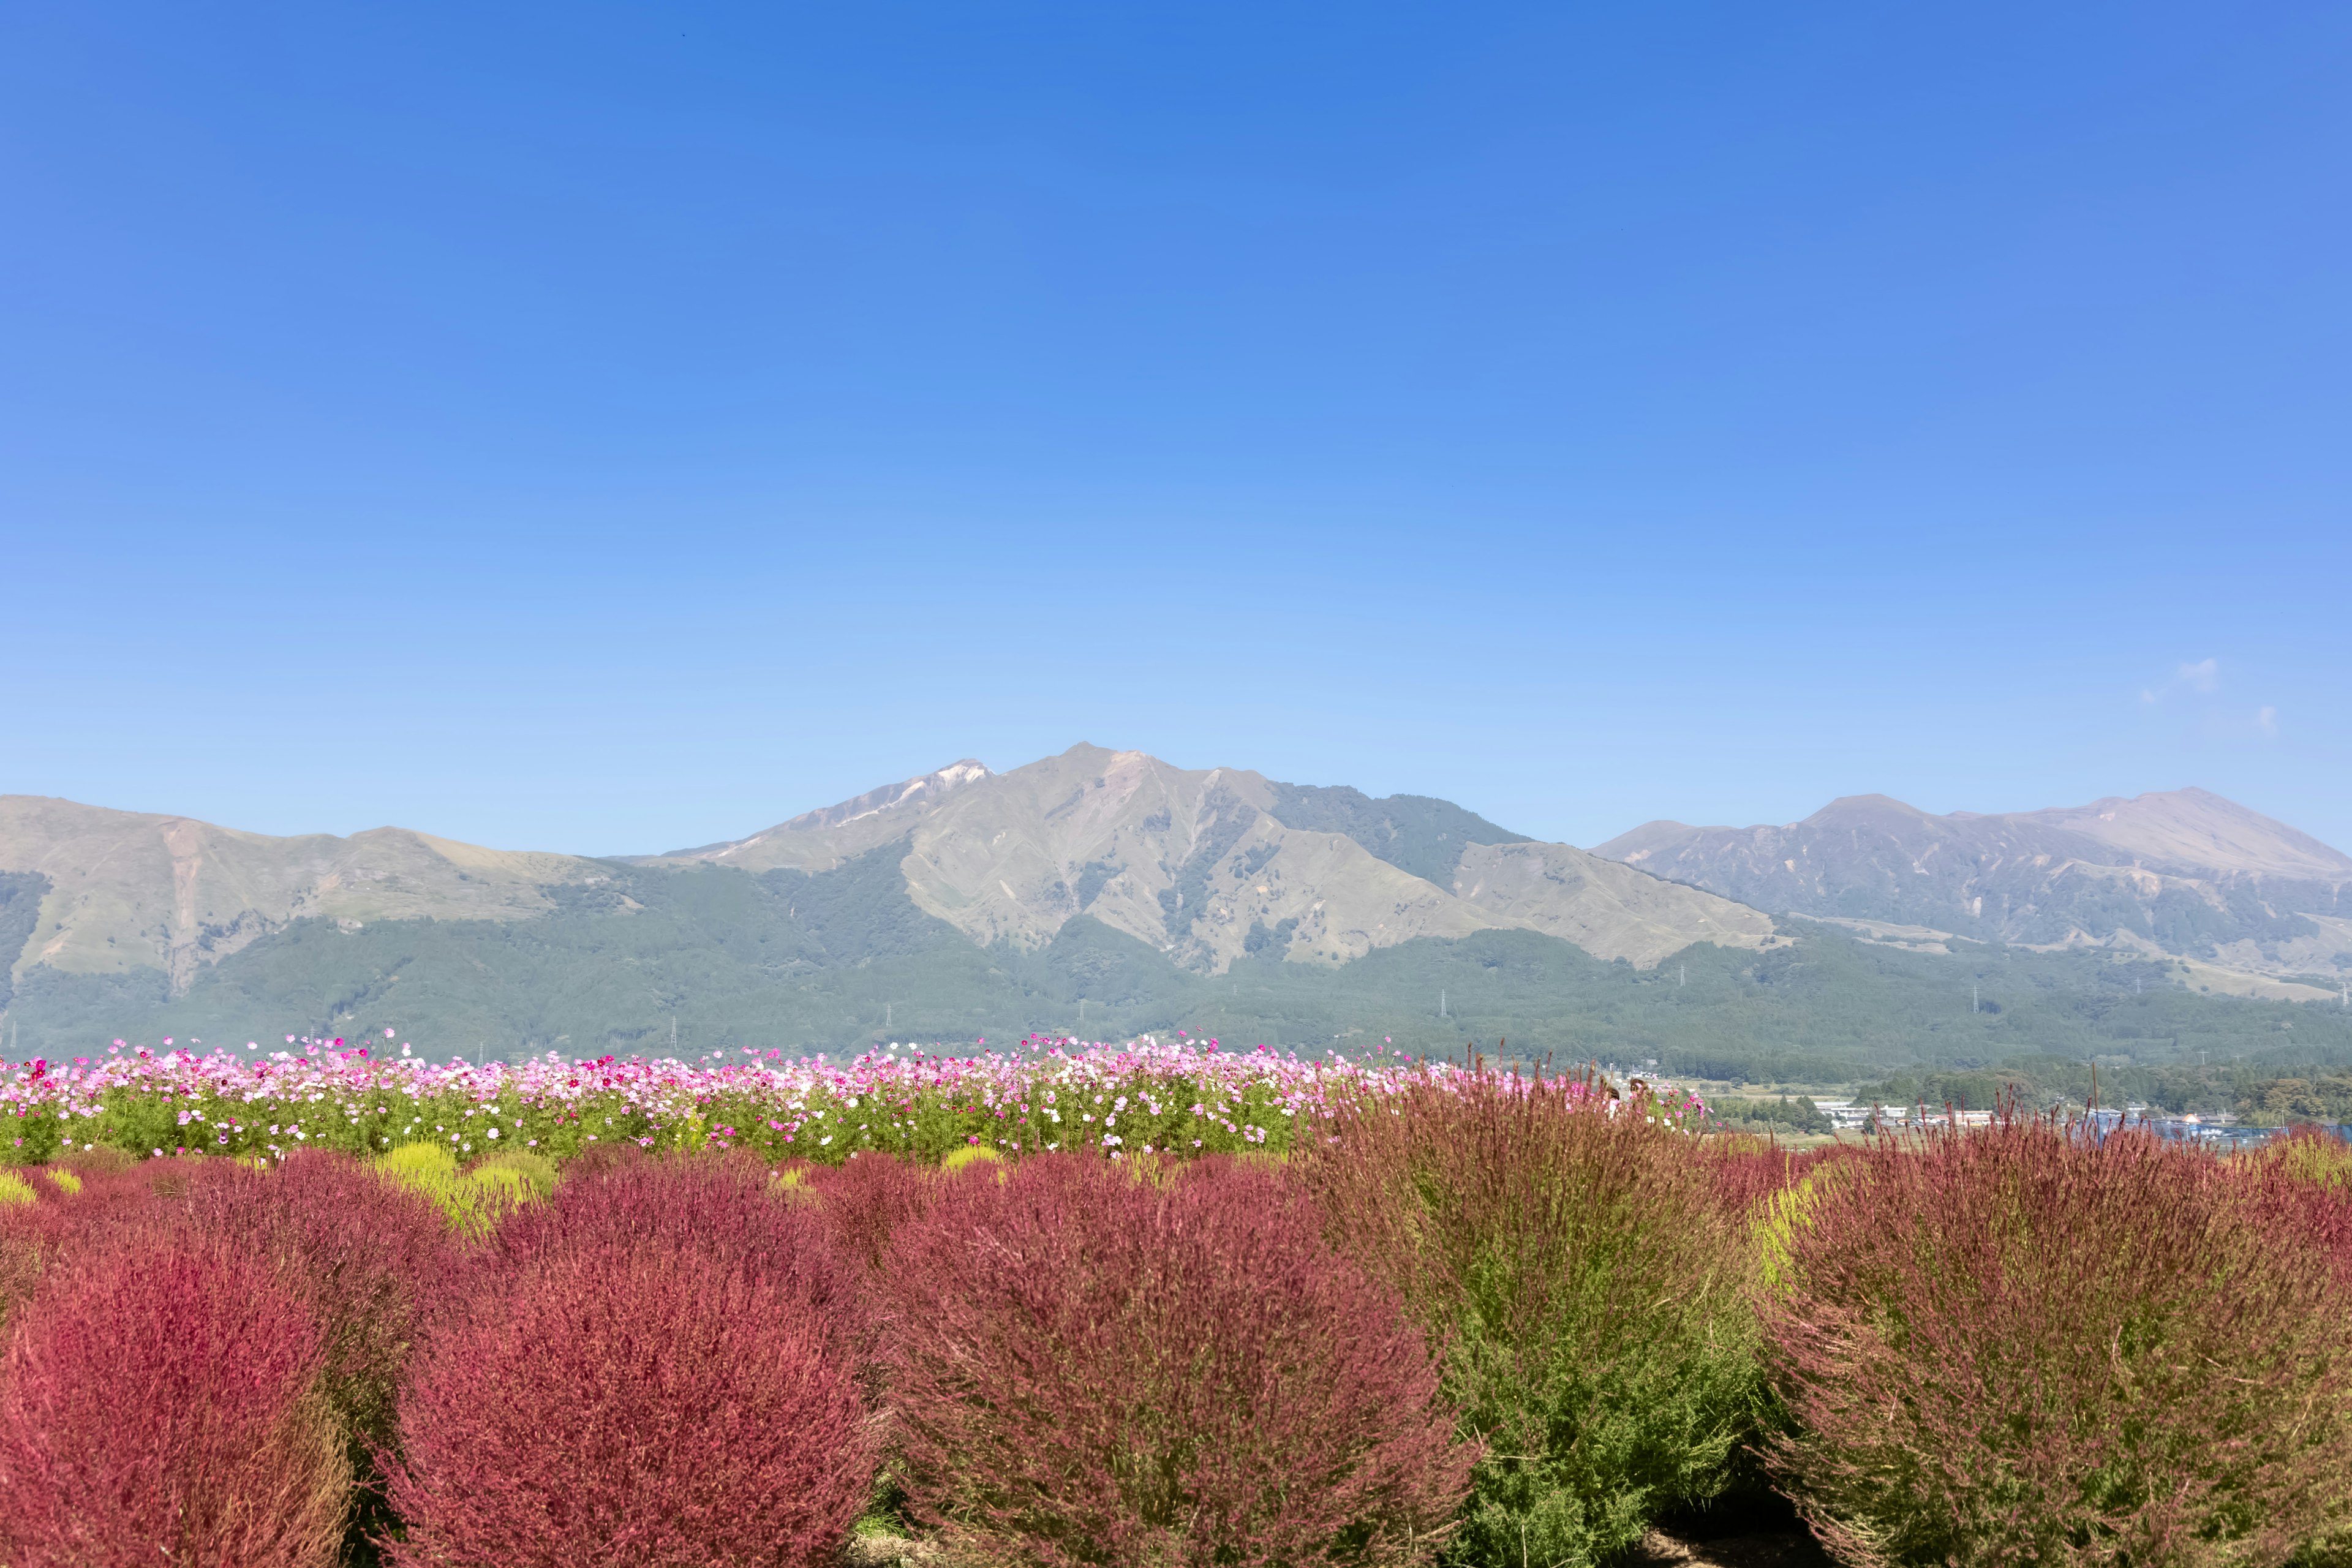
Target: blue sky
610 429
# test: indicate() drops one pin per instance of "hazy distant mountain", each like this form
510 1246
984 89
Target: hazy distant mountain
122 890
2183 872
1209 866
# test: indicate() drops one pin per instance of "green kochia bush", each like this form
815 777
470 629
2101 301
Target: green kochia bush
2019 1345
1589 1289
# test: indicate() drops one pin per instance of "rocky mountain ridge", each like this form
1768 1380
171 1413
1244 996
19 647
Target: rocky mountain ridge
2183 872
1212 864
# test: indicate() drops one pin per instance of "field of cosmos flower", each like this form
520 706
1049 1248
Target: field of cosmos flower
368 1095
1148 1304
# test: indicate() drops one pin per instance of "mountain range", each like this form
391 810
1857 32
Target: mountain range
1111 890
2182 872
1210 865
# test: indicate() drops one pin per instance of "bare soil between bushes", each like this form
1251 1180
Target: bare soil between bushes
1765 1533
1762 1536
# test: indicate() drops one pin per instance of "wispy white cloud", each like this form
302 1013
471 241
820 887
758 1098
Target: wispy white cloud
2203 676
2191 693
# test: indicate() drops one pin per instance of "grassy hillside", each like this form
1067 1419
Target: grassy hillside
837 961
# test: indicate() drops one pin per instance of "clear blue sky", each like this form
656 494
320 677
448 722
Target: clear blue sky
613 428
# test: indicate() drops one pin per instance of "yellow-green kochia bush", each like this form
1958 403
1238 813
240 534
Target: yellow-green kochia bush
472 1202
1591 1291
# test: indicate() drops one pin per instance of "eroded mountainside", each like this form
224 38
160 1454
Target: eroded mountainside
1208 866
2182 872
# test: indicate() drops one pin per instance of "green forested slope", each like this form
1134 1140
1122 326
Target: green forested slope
836 961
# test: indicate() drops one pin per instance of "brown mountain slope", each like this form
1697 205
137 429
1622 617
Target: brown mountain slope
1198 864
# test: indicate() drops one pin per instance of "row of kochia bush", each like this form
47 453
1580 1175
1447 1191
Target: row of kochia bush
1494 1322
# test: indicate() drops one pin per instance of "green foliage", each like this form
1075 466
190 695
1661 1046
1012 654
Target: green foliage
1133 1114
970 1154
15 1189
1589 1293
1784 1114
365 1127
37 1134
2302 1096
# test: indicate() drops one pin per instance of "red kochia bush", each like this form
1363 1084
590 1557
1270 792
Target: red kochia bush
1745 1171
158 1404
723 1212
639 1406
106 1193
866 1198
365 1252
2018 1344
1086 1368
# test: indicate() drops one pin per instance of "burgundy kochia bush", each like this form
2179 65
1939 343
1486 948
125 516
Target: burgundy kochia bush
159 1404
641 1405
1090 1368
2018 1344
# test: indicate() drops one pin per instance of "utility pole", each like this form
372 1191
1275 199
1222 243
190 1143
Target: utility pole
1974 1006
673 1034
1441 1001
1682 974
885 1013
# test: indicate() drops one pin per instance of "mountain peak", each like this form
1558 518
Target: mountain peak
1850 807
935 784
917 794
2197 829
